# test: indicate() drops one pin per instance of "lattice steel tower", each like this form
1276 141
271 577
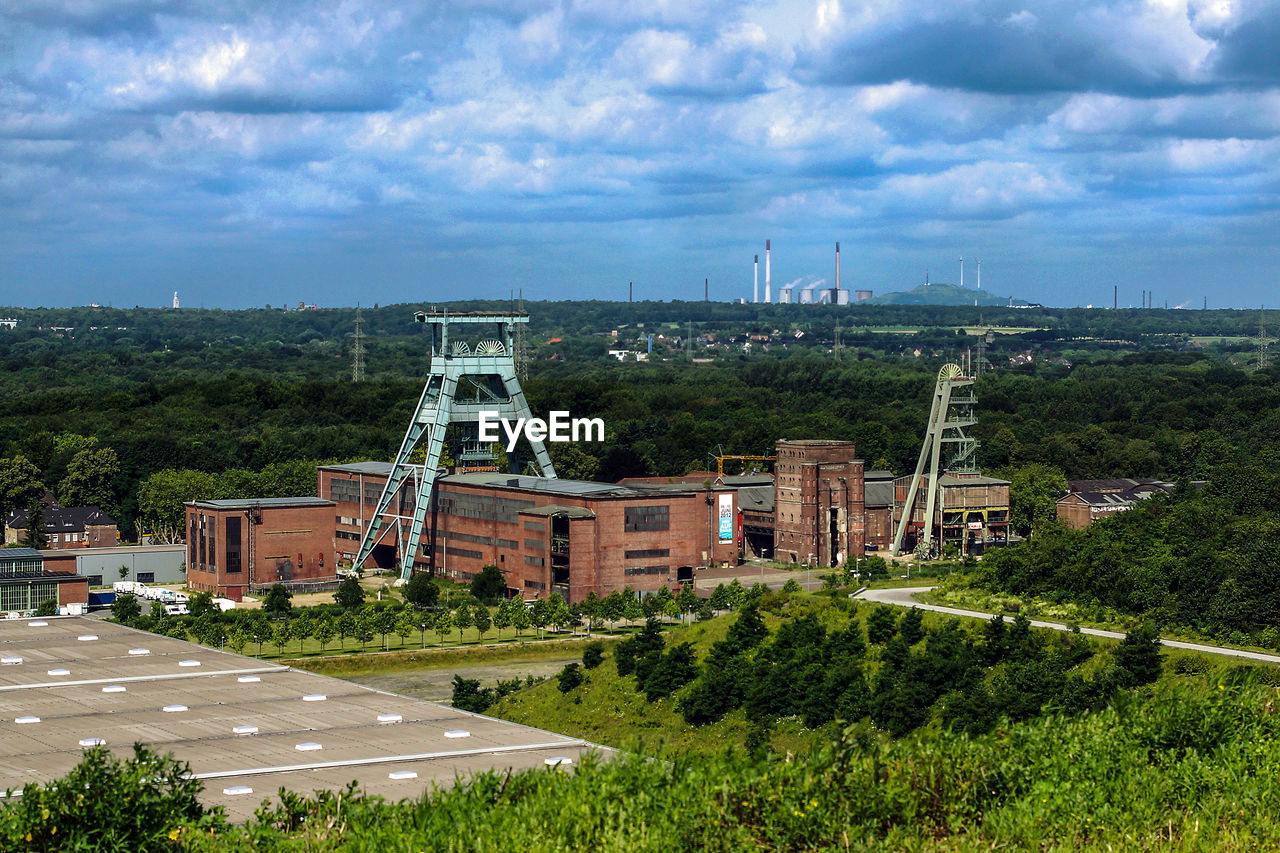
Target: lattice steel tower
357 351
951 415
463 381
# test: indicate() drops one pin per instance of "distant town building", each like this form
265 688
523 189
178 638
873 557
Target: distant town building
8 323
67 527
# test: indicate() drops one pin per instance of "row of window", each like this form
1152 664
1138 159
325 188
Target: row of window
483 507
640 518
510 544
646 553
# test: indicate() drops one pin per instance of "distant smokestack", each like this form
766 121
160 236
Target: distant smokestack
962 270
836 290
979 273
1115 296
706 290
630 290
768 289
755 291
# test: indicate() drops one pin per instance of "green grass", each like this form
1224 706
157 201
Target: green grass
414 660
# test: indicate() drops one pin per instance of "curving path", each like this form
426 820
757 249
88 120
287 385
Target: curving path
905 597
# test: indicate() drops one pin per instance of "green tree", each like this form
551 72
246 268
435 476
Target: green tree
540 614
201 603
688 599
162 494
792 586
462 620
442 625
35 536
881 624
91 479
280 635
405 626
489 585
520 619
383 622
346 626
324 632
363 629
1034 491
482 619
502 618
558 612
569 677
302 627
674 669
237 640
613 608
421 591
278 600
911 626
350 595
593 654
720 598
631 609
1138 656
125 608
19 485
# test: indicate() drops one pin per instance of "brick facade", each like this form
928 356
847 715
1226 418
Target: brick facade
235 546
819 514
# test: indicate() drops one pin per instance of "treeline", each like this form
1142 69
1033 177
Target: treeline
1203 560
899 673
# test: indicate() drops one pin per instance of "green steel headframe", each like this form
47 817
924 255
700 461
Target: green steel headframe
950 417
463 381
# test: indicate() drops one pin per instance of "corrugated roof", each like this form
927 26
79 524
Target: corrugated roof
756 498
545 485
559 509
878 493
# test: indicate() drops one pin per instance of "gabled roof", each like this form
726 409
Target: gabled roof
58 519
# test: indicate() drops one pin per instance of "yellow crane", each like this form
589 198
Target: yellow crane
720 459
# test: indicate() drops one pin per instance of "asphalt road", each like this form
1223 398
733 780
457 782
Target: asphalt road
905 597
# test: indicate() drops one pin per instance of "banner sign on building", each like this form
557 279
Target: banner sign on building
726 518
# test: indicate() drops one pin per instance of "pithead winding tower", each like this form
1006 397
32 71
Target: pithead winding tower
464 380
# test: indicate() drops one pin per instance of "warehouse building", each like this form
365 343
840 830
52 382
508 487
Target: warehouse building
1088 500
973 510
25 583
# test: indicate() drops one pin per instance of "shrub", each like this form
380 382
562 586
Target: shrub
569 677
593 655
106 803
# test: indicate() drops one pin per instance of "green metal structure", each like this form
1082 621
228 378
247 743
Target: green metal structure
947 448
465 378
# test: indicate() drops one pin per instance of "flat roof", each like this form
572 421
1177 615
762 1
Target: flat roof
545 485
265 503
559 509
380 469
125 685
109 551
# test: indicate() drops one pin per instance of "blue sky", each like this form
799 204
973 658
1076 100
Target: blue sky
246 153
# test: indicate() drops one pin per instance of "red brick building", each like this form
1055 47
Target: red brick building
818 504
550 535
67 527
972 512
236 547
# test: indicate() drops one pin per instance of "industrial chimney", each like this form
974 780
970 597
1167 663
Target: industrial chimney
768 290
755 291
835 292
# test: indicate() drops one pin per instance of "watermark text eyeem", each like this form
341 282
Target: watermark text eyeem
559 427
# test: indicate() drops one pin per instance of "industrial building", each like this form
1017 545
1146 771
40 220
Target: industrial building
972 511
1088 500
26 583
246 728
818 502
546 534
239 547
101 566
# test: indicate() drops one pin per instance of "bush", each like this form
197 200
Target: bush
593 654
569 677
48 607
421 590
106 803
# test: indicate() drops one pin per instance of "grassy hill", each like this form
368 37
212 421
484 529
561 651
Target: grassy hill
946 294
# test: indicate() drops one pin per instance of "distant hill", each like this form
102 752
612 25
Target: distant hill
945 294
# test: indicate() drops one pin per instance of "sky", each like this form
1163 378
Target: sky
246 153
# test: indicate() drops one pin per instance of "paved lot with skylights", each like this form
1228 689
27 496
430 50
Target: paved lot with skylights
246 727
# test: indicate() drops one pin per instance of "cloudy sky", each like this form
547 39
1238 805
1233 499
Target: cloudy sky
246 152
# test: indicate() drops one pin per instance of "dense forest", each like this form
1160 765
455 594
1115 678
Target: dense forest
177 394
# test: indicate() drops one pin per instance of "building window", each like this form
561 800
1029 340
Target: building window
343 534
646 570
233 544
535 545
463 552
639 518
95 580
535 525
536 561
534 585
646 553
146 577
